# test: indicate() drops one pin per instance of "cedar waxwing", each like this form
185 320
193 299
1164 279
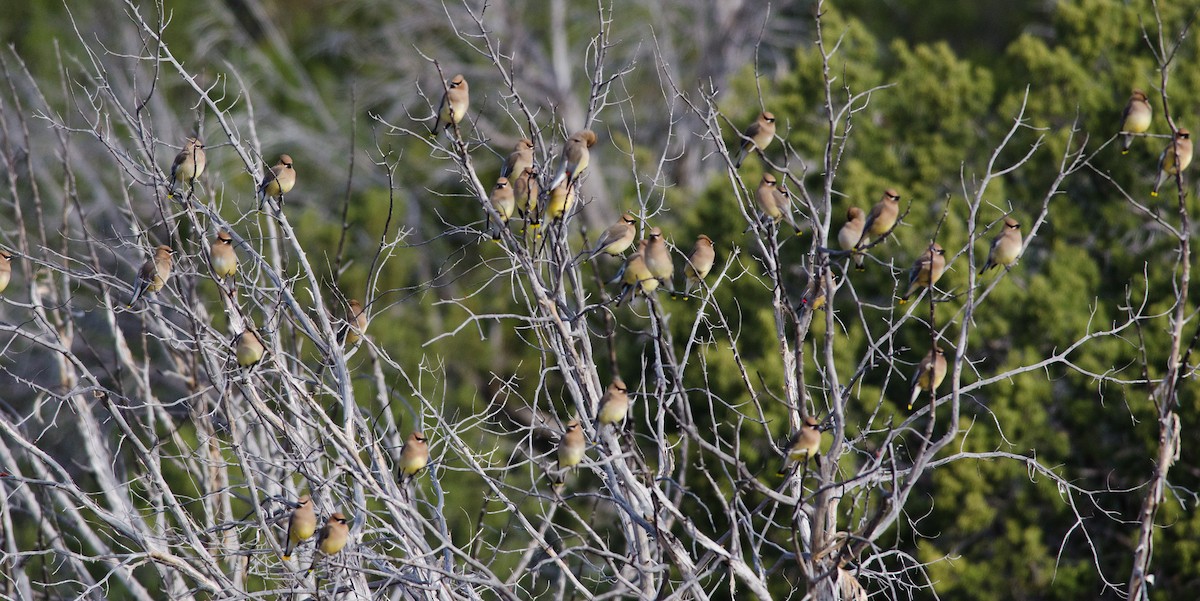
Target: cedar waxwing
635 277
153 275
617 238
414 456
455 102
614 404
815 294
5 269
1175 158
571 446
575 157
520 158
562 197
882 217
930 373
1136 118
356 322
760 134
775 202
658 257
1006 247
332 538
851 233
189 163
223 258
248 347
277 181
699 263
526 191
802 446
503 202
926 271
301 526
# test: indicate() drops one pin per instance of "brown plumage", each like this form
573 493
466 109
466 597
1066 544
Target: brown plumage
1175 158
277 181
520 158
414 456
926 271
332 539
189 163
575 158
802 446
760 134
1135 119
301 525
699 263
617 238
223 257
882 217
455 102
852 233
614 405
929 375
154 273
1006 247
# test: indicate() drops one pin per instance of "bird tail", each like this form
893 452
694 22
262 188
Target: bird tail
1126 142
1162 175
741 156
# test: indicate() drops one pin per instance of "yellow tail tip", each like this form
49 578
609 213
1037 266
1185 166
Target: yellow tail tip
903 301
1126 151
1154 194
287 557
910 406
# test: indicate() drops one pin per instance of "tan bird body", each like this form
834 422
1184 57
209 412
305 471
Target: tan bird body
760 134
526 191
774 202
332 539
223 257
189 163
571 446
5 269
301 526
699 263
930 373
617 238
455 103
851 233
277 180
658 257
926 271
356 322
1006 247
562 198
248 347
815 295
504 202
614 405
1136 118
882 217
1174 159
575 158
803 445
154 274
636 277
414 456
520 159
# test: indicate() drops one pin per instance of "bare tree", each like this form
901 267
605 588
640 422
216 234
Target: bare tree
147 459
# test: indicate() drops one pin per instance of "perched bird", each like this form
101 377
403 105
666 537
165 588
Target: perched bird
504 202
222 256
775 202
760 134
332 538
658 257
575 158
277 181
562 197
455 102
571 447
1135 119
926 271
1006 247
248 347
882 217
614 404
189 163
699 263
356 322
5 269
301 526
636 277
803 445
815 294
520 159
851 233
617 238
414 456
930 373
154 273
526 191
1175 158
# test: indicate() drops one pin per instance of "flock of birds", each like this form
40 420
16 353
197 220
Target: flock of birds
517 192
